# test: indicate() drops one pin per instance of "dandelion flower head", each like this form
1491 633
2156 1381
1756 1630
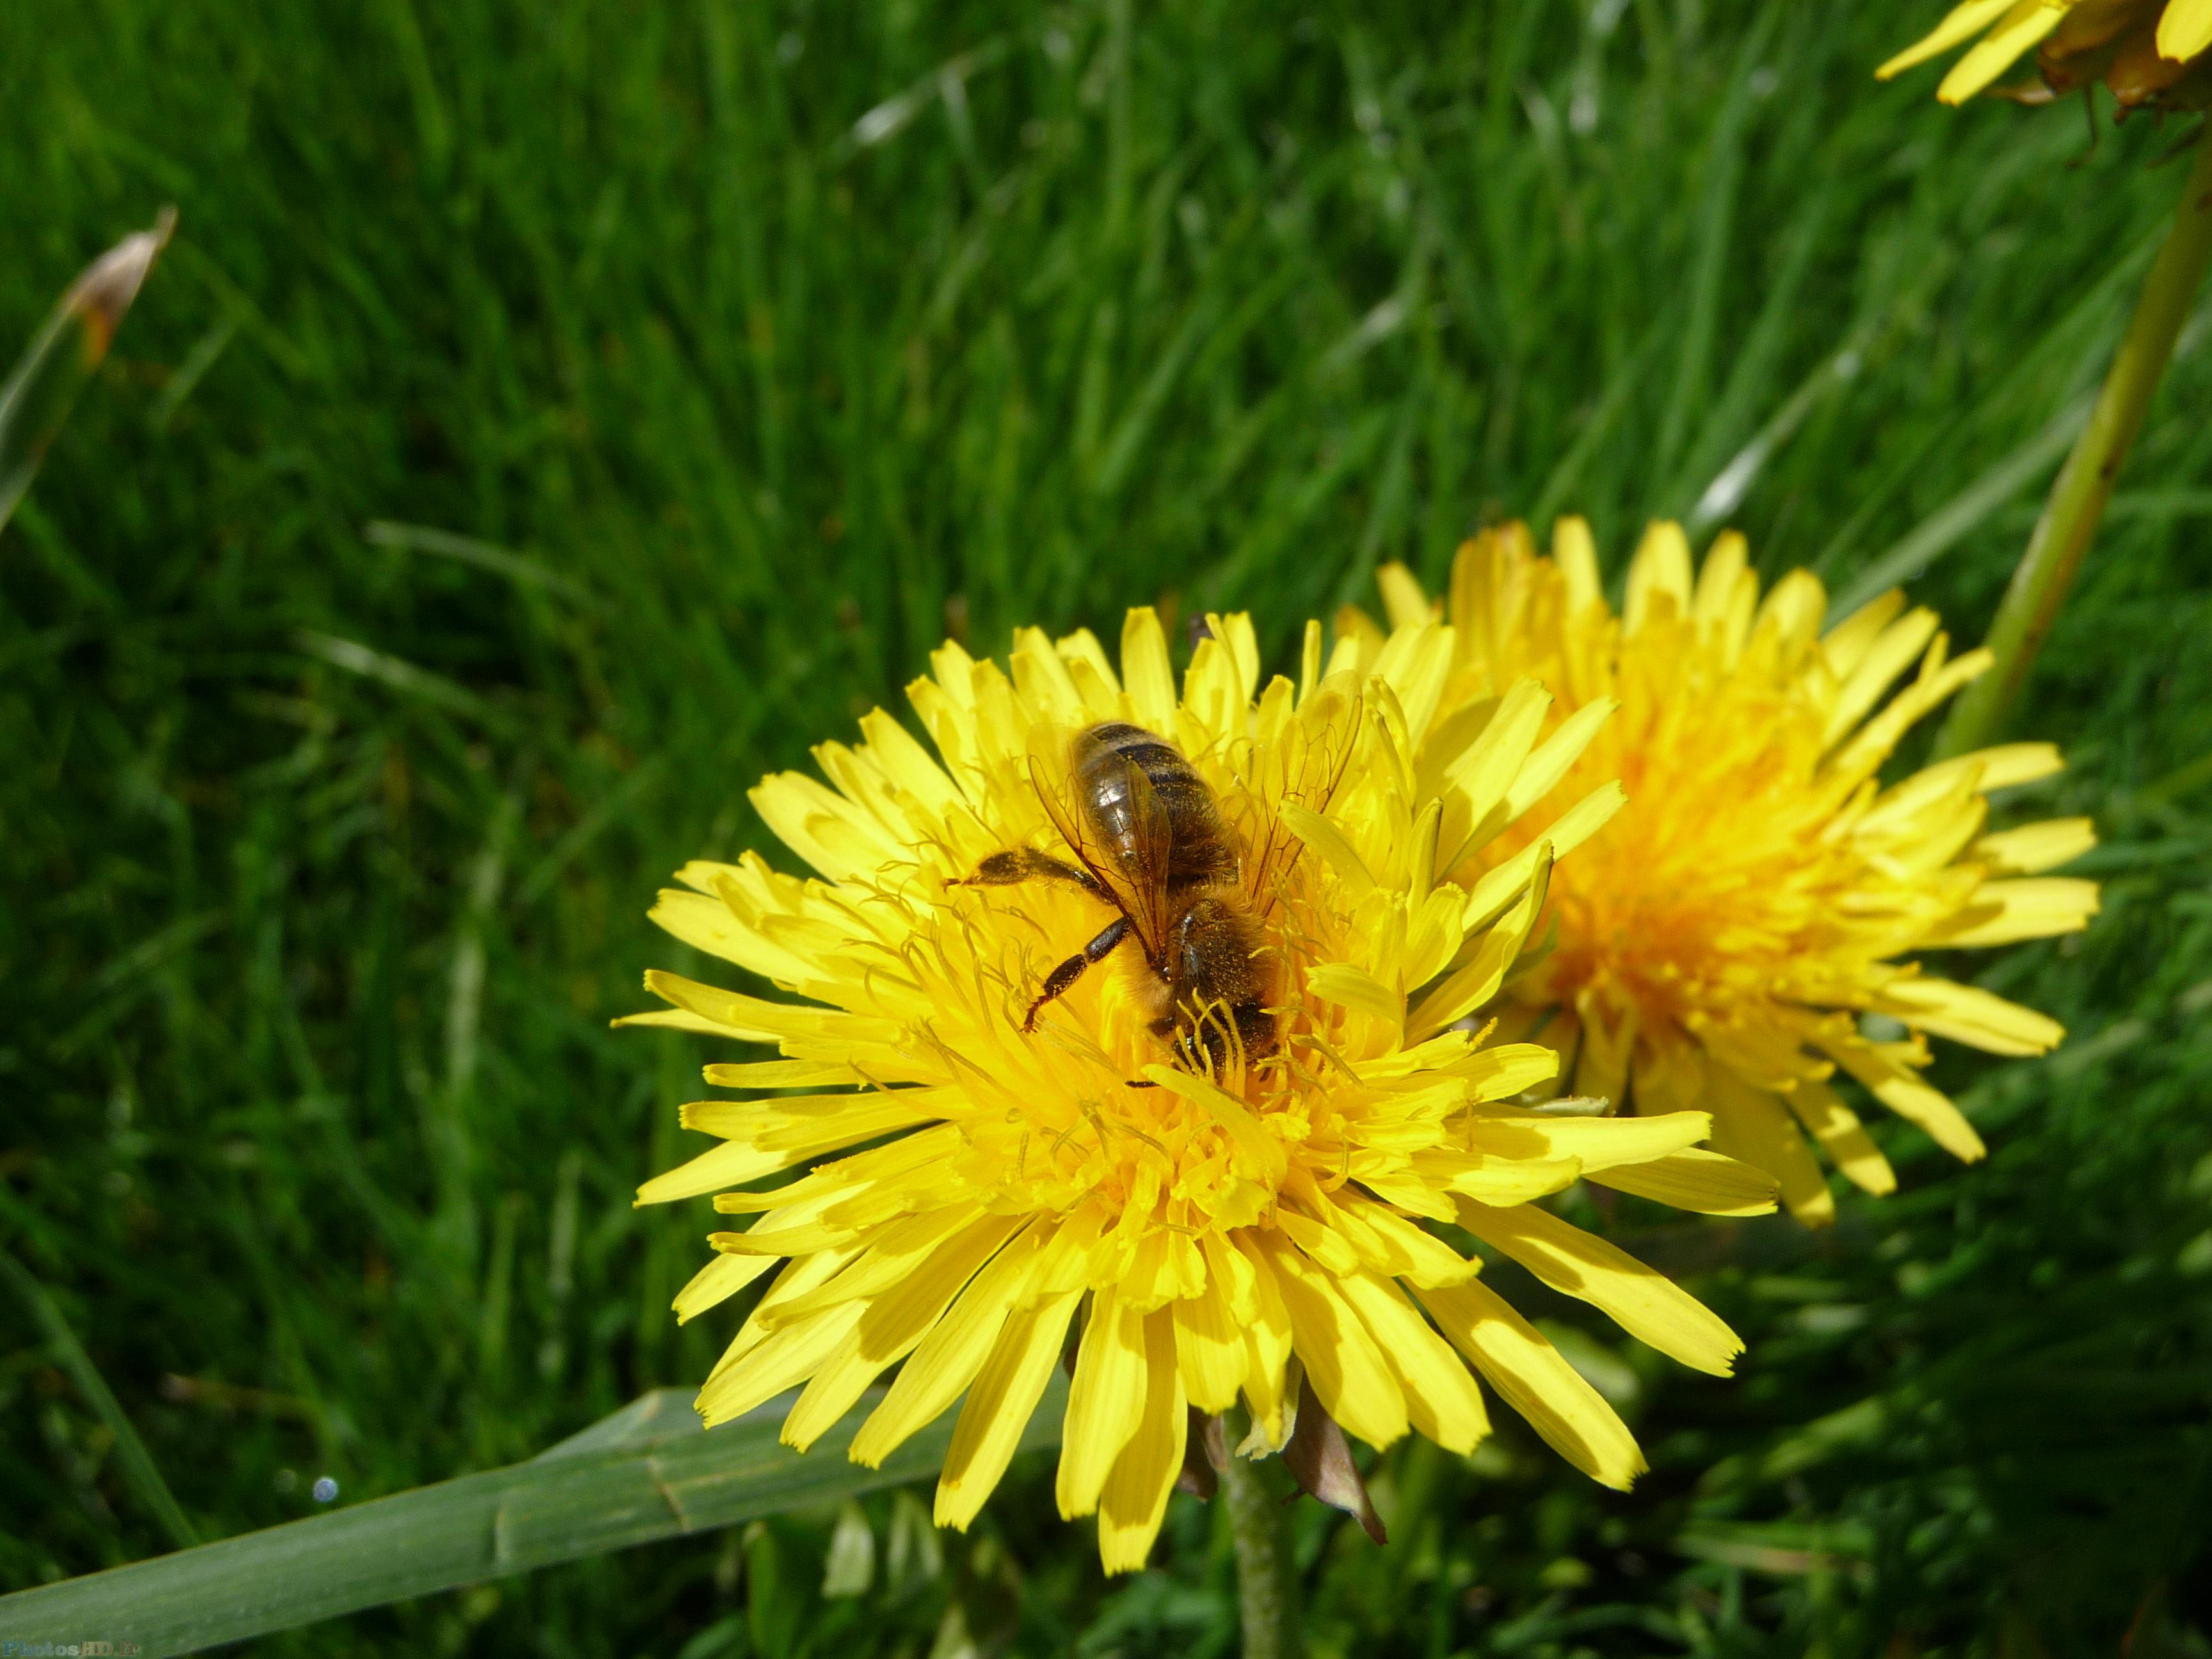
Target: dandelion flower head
1205 1223
1720 943
2148 53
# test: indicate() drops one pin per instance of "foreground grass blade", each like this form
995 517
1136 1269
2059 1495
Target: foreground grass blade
36 399
648 1472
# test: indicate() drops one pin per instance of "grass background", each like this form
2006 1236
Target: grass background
549 417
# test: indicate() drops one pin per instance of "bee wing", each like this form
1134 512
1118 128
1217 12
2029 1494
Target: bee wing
1135 878
1313 760
1144 888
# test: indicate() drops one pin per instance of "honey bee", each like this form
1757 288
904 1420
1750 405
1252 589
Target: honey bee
1151 841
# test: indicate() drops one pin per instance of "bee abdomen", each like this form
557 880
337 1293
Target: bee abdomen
1200 851
1160 761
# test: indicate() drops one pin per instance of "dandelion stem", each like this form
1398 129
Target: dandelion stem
1265 1585
2085 483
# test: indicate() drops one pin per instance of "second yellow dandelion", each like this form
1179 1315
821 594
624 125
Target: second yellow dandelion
1722 942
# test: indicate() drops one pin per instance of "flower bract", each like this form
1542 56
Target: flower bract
1192 1224
1734 939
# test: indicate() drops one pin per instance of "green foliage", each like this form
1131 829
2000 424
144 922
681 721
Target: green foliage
550 417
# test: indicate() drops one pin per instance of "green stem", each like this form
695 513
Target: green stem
1266 1582
2078 501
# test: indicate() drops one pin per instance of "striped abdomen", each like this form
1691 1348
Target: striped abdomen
1199 853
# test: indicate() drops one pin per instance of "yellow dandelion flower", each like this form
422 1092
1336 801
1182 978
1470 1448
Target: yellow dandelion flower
1227 1196
2148 51
1719 944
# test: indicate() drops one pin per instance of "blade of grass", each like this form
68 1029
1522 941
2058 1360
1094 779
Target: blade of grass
1733 482
1715 232
1944 528
623 799
2070 347
647 1472
190 372
1566 475
37 398
518 568
137 1462
401 676
1729 415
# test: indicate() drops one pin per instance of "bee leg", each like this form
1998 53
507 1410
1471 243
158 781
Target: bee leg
1026 864
1056 983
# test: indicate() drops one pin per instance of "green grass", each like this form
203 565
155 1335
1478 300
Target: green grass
750 350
